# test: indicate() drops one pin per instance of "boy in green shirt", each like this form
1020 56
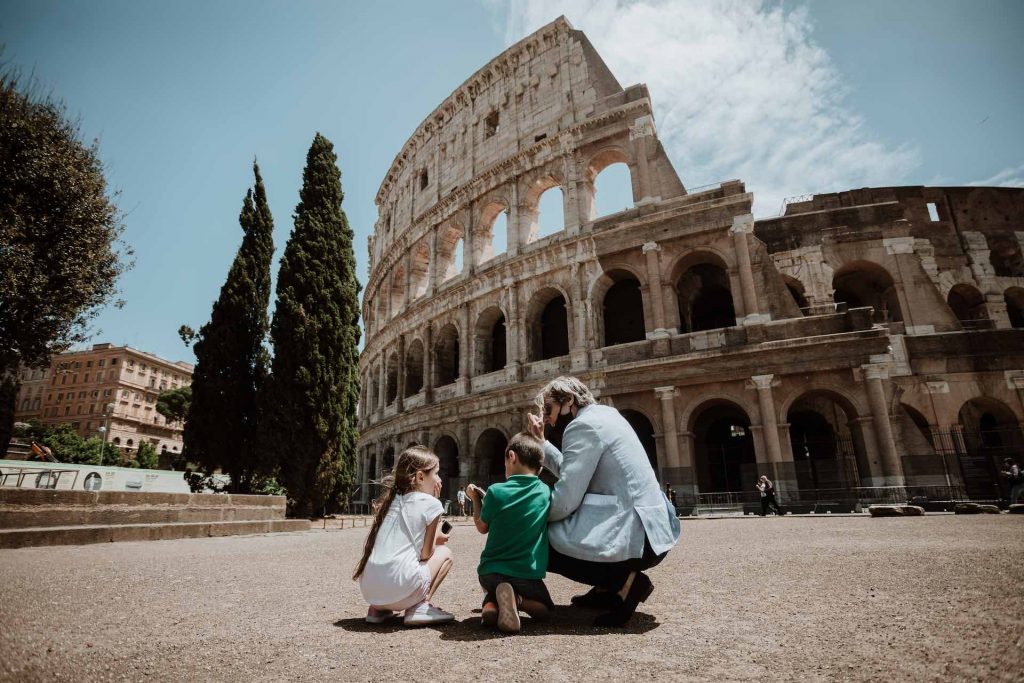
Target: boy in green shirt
515 517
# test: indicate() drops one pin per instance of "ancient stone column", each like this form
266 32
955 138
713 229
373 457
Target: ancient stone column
428 364
432 268
465 364
641 135
400 399
741 227
383 385
650 250
513 325
407 299
513 241
667 396
769 422
891 468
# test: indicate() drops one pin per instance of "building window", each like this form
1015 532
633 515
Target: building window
74 378
67 410
60 397
933 212
96 393
99 376
424 179
86 378
102 362
492 124
126 394
106 393
63 379
113 361
81 395
88 363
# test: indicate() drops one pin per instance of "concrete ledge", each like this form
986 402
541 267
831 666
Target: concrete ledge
895 511
22 517
81 535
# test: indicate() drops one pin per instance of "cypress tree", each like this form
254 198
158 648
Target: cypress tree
314 388
231 359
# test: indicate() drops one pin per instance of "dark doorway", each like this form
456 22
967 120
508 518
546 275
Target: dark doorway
705 300
624 313
724 447
645 432
554 329
489 455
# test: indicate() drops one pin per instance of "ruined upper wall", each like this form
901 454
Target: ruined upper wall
545 83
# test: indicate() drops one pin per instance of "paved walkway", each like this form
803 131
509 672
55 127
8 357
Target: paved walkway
826 598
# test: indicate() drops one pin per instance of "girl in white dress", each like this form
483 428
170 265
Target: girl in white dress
406 556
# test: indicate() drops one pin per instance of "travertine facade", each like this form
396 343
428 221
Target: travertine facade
852 342
79 386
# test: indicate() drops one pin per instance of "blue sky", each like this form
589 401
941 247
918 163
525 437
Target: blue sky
791 97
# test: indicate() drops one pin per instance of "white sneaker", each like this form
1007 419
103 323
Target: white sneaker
425 613
375 615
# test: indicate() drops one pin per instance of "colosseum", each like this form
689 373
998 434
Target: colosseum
862 346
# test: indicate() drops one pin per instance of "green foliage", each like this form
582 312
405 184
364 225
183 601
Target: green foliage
173 404
187 334
310 406
146 457
231 359
59 229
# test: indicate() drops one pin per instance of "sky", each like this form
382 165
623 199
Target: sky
791 97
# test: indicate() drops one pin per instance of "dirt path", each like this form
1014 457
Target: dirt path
934 598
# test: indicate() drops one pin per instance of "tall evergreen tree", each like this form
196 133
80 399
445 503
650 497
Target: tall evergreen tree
231 358
314 387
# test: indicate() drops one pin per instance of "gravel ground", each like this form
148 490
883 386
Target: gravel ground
841 598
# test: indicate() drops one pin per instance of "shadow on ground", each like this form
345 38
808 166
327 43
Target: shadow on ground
564 621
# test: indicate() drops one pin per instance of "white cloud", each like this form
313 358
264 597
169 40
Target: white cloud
740 90
1008 177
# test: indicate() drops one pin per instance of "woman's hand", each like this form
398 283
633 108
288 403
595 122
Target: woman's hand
535 426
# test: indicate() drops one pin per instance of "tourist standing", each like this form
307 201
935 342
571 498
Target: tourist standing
461 496
767 490
1014 479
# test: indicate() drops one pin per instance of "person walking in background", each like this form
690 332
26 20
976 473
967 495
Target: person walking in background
1014 479
461 497
767 489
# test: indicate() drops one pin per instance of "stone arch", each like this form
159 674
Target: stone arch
989 432
446 355
644 429
489 455
391 383
828 451
397 289
967 303
450 250
490 339
1005 255
419 269
703 292
865 283
723 446
446 448
530 213
797 291
492 219
388 460
1014 298
609 157
547 319
414 368
374 385
618 296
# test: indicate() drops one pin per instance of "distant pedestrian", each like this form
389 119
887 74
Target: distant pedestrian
767 490
461 496
670 493
1014 479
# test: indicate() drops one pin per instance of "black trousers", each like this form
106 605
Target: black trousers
528 589
606 575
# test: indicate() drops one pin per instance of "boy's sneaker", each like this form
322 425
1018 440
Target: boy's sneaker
424 614
378 616
508 608
489 614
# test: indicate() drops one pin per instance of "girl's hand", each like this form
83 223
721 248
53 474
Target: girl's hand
441 538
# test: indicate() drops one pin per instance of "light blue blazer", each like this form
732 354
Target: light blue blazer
607 498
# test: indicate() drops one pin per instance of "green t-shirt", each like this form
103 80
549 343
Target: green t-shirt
516 512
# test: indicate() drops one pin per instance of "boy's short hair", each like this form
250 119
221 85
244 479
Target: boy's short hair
528 449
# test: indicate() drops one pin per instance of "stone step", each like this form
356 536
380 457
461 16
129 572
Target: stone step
24 516
80 535
19 496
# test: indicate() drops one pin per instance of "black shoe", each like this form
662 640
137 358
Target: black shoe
638 592
596 598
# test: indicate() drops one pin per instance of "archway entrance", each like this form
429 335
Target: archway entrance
989 433
825 454
705 301
863 283
489 455
623 310
645 432
389 460
723 448
447 452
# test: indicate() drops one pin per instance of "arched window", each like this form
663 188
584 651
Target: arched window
450 257
723 448
623 310
825 454
489 454
796 290
414 368
705 300
551 213
548 322
491 239
419 269
613 190
446 356
392 379
863 283
490 339
967 304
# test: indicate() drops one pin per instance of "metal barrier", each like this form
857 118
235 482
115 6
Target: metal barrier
850 499
46 477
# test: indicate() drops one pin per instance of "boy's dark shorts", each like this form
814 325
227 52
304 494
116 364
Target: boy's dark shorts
528 589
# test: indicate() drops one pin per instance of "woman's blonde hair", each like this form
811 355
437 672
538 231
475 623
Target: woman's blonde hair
561 389
412 460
